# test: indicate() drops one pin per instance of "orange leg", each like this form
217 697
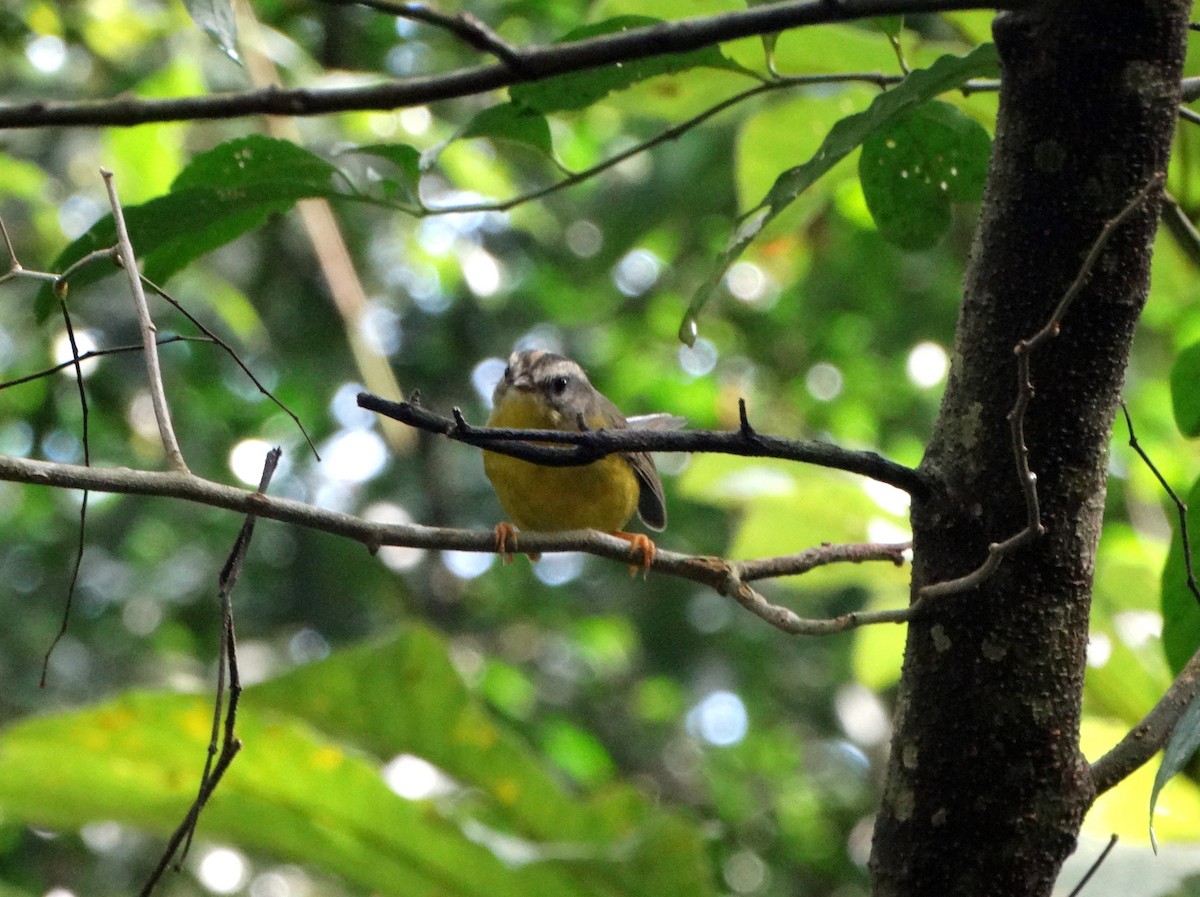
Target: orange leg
641 550
506 543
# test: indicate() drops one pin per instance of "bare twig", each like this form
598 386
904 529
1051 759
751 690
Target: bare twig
590 445
1181 507
1099 861
535 63
158 395
98 353
216 764
60 292
468 28
1024 349
211 337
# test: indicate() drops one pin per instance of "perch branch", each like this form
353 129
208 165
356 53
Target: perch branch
532 64
575 448
728 577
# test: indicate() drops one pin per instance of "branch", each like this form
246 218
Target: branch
529 64
1150 735
591 445
468 28
158 394
727 577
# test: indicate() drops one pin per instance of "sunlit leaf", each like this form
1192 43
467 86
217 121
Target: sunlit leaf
579 90
845 137
913 169
308 785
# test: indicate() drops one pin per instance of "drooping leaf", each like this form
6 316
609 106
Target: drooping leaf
845 137
407 163
222 194
914 168
309 784
1181 747
216 17
1180 609
579 90
1185 390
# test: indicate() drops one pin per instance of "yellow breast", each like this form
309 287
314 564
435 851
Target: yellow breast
602 495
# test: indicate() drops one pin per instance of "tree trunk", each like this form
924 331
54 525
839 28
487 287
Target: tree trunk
986 787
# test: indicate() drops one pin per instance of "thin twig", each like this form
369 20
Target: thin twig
672 133
99 353
1181 508
1112 842
213 338
468 28
214 770
590 445
1024 349
83 504
158 395
536 63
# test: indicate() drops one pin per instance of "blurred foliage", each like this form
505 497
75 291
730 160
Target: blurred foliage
641 736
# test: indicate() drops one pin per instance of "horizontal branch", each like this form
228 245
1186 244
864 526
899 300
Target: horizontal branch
585 447
1149 736
729 578
527 64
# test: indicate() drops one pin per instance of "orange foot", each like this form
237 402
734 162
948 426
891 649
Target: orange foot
506 543
641 550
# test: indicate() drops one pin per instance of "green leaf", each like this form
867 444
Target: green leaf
913 169
847 135
579 90
511 122
217 19
308 785
1180 610
407 161
225 192
889 25
1181 747
1185 390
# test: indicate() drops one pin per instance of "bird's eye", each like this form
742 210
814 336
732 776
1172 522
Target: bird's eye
558 385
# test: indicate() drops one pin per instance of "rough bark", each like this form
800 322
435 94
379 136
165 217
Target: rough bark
986 786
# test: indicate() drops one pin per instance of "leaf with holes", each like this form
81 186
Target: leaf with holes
916 167
843 138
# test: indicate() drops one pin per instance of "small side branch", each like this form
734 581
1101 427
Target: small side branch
158 395
569 448
217 763
1026 478
1150 735
470 29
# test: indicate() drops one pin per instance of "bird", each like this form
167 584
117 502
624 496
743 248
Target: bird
544 390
